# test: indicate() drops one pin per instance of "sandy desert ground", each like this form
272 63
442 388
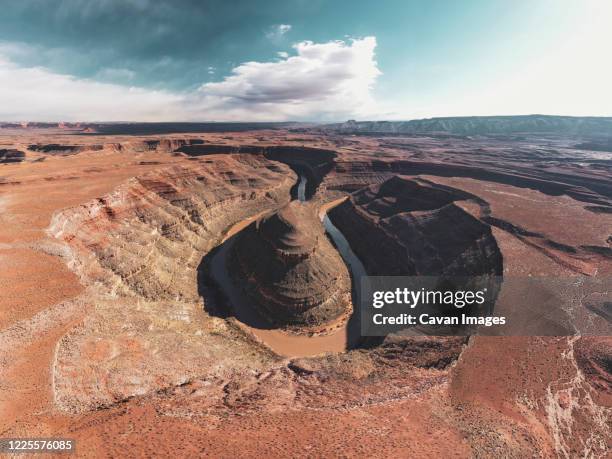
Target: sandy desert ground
113 333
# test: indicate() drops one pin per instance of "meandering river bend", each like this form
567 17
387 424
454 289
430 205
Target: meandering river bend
282 342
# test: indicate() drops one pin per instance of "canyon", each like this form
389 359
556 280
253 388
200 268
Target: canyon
195 292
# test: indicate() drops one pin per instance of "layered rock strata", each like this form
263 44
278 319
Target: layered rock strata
137 251
314 163
147 237
404 227
290 270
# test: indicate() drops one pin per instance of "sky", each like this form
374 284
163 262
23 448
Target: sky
302 60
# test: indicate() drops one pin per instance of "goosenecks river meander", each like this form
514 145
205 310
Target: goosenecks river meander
281 342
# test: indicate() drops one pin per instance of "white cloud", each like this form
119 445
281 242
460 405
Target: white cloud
323 81
35 93
283 54
276 32
327 81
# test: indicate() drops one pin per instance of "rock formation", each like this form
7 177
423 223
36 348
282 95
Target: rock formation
408 228
290 270
314 163
126 354
11 156
173 216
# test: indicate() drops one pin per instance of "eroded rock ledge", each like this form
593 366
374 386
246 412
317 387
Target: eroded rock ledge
290 269
404 227
147 237
137 250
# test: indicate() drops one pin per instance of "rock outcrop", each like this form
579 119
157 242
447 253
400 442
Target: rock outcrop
137 249
408 228
172 216
135 358
290 269
314 163
11 156
63 150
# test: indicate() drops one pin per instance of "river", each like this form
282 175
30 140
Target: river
281 342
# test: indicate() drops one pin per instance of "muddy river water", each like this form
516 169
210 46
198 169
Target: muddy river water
282 342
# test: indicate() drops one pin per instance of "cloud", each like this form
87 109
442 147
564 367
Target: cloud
276 32
35 93
322 81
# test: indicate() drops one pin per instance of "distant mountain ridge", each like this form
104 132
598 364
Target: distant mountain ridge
146 128
475 125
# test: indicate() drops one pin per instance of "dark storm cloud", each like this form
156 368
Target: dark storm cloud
179 60
160 43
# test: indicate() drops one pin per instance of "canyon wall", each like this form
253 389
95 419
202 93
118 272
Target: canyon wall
137 251
151 232
406 228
